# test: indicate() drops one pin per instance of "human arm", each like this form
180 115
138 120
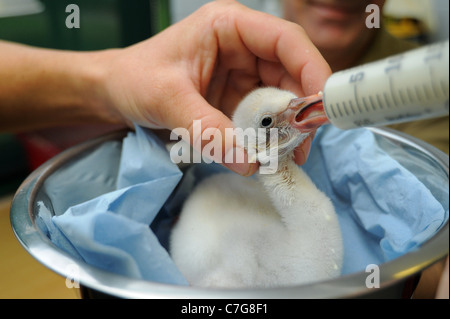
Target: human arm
42 87
197 69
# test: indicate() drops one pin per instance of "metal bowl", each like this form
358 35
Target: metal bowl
96 282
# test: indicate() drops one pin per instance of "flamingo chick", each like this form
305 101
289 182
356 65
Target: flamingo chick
274 230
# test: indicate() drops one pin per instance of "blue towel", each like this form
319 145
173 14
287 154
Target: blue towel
384 209
111 231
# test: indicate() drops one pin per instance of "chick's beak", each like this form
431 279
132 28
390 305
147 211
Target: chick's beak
307 114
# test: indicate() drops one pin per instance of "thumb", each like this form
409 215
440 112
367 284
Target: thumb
211 133
301 153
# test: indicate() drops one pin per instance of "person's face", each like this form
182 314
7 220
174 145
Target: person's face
331 24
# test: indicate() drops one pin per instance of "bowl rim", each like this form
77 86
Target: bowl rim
351 285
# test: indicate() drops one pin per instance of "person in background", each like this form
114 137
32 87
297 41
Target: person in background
338 29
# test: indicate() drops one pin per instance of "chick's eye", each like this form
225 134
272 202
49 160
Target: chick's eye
266 122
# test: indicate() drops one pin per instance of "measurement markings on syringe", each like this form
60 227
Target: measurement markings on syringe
345 108
391 87
427 93
355 93
379 101
333 110
418 93
441 87
432 77
410 97
402 97
371 103
359 107
388 104
365 104
398 89
351 107
338 107
394 66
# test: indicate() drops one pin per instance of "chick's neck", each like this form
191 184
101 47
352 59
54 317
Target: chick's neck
281 185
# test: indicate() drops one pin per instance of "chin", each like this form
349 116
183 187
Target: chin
335 38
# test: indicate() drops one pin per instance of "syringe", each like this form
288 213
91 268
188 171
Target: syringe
401 88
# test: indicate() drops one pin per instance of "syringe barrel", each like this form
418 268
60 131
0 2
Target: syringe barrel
401 88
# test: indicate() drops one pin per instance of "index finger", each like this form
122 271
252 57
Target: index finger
274 39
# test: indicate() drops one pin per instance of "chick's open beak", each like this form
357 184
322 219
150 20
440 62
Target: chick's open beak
307 113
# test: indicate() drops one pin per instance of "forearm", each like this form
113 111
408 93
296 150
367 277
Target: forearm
40 87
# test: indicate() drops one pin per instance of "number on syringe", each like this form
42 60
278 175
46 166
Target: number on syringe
357 77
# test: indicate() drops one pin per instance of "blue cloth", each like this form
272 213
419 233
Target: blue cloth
111 231
384 209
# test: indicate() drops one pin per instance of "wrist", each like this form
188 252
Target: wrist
92 75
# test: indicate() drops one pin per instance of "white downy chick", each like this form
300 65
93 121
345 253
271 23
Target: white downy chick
276 230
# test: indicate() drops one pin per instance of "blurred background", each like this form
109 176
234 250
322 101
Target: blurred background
109 24
119 23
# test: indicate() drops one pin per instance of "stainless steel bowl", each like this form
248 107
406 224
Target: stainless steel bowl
98 282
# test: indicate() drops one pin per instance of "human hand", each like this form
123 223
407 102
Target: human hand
201 67
442 289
